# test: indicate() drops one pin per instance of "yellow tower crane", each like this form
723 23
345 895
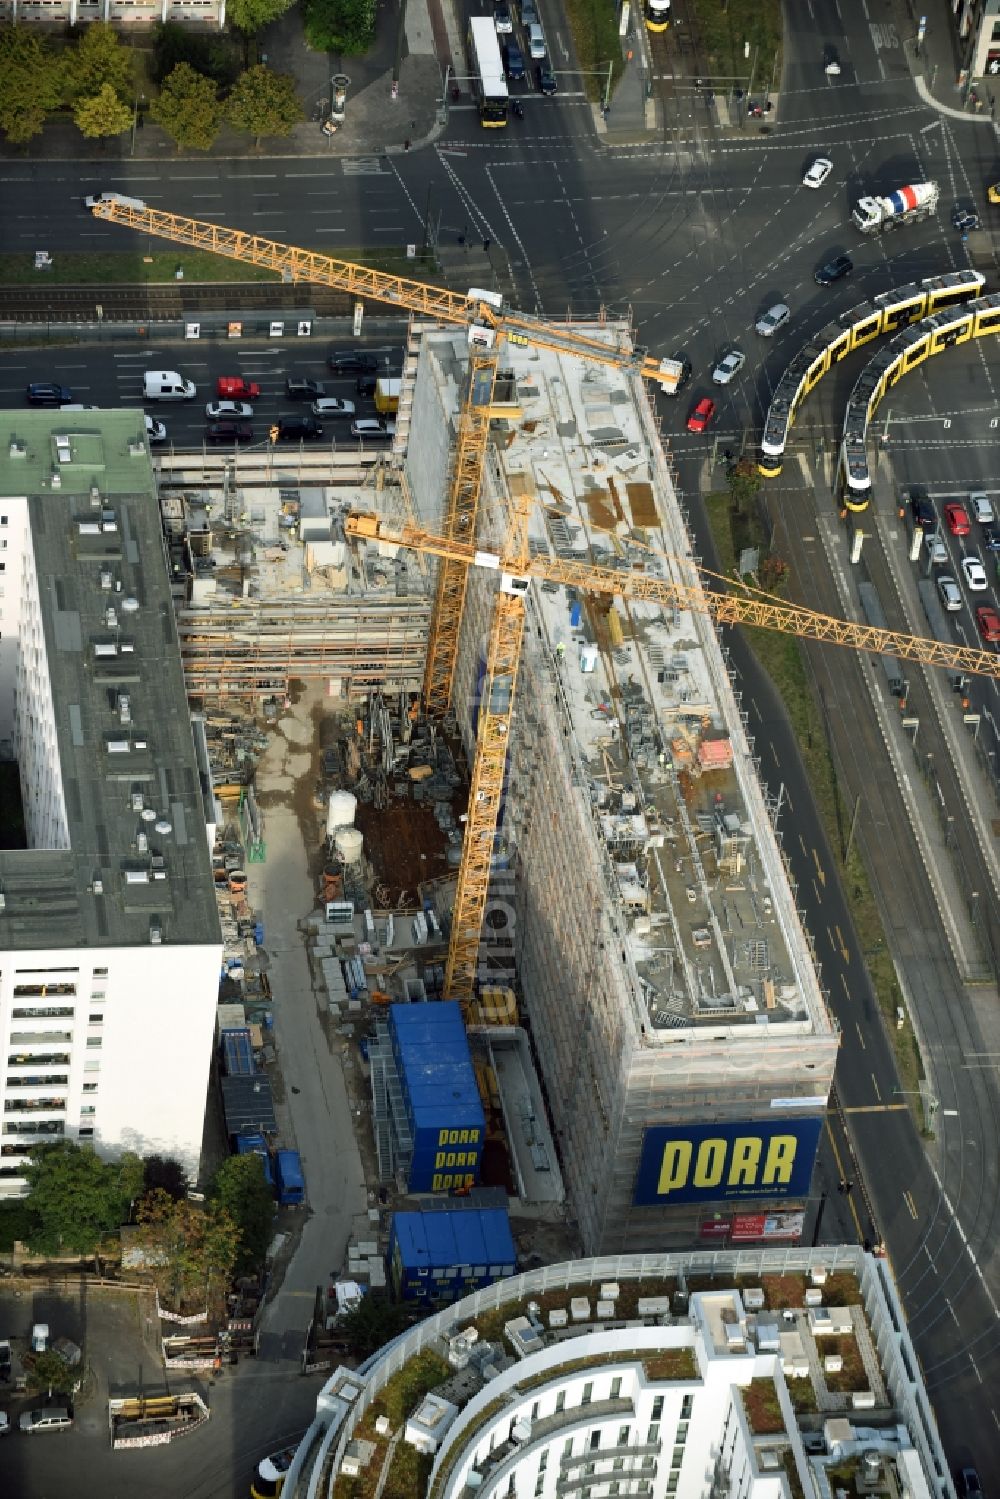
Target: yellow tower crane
488 323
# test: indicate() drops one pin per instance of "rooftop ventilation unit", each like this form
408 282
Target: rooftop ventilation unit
97 888
109 520
163 826
3 901
130 604
107 578
84 527
111 617
141 842
137 801
17 449
95 497
148 815
155 933
57 480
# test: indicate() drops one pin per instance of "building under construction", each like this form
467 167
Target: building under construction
639 899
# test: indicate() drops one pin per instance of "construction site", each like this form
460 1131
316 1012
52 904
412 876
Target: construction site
642 972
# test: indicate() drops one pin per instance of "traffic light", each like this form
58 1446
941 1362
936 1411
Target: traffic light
273 433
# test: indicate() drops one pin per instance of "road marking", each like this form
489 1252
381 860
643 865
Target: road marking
843 980
911 1205
842 1175
875 1086
874 1108
860 1036
819 869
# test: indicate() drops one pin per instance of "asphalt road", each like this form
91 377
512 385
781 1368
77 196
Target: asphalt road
696 234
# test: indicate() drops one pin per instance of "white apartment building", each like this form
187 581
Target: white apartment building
110 948
128 15
785 1375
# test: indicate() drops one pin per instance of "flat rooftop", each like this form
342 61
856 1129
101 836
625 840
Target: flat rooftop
138 867
655 730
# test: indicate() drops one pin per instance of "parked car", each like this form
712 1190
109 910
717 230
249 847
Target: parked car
951 594
370 426
988 622
235 388
545 78
332 406
39 1337
229 432
42 393
817 174
224 411
729 367
47 1418
701 414
834 270
956 520
774 318
298 428
975 574
352 362
304 390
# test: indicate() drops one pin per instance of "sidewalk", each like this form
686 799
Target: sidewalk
936 65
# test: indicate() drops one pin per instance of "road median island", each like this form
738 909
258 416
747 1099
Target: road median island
734 37
160 267
594 25
734 528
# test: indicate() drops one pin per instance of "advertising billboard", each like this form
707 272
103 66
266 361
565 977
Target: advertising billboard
767 1227
726 1162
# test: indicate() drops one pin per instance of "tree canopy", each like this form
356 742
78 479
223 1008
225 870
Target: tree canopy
207 52
98 60
239 1186
76 1198
372 1324
190 1249
346 27
31 82
264 103
48 1373
250 16
102 114
188 108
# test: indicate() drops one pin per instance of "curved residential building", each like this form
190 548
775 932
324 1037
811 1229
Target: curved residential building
779 1374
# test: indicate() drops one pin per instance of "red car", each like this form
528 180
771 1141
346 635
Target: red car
701 414
235 388
957 520
988 621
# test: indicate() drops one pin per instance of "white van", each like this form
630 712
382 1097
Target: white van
536 42
167 385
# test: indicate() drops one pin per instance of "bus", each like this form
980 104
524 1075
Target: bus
490 83
657 15
269 1478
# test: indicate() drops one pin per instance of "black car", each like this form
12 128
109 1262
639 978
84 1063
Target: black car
529 13
968 1484
991 538
513 61
834 270
923 512
229 432
365 385
964 219
355 362
40 393
687 370
295 428
545 78
305 390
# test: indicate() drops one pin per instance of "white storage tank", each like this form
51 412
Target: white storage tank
340 810
349 844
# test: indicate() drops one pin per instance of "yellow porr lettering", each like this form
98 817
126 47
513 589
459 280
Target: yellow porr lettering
674 1166
744 1161
710 1163
780 1159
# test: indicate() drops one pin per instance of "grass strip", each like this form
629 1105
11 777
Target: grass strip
782 658
594 24
725 31
158 267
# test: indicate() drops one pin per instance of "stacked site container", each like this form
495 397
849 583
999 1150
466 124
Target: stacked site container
444 1255
442 1101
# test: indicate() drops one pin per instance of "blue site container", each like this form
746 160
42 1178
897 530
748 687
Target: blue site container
256 1145
575 614
443 1256
441 1096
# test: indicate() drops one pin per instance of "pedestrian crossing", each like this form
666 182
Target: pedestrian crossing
365 166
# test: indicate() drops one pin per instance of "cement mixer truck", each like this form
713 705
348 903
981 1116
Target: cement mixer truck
906 205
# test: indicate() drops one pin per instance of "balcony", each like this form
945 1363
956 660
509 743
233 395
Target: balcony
40 1127
39 1058
608 1454
38 1080
34 1106
499 1463
39 1038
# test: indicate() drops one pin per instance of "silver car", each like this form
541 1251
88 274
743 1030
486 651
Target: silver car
951 596
729 367
49 1418
774 318
229 411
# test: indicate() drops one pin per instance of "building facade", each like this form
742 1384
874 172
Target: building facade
110 948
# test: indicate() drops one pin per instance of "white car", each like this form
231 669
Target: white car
728 368
774 318
502 18
975 574
818 172
332 406
370 426
951 594
155 431
229 411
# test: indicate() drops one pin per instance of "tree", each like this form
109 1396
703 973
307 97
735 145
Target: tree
103 114
188 108
49 1374
343 26
372 1324
264 103
250 16
744 482
31 83
190 1249
212 55
239 1186
100 60
160 1171
77 1198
